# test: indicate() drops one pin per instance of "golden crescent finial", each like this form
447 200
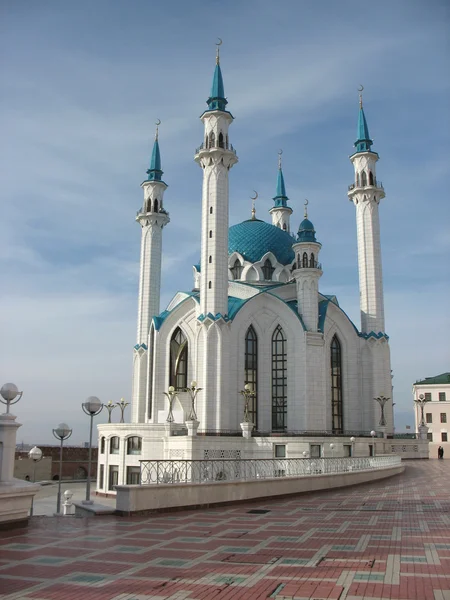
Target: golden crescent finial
306 209
360 90
253 198
219 43
157 123
280 152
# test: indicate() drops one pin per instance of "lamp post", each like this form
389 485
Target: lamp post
91 407
61 433
36 455
373 434
382 401
122 405
9 393
352 440
171 393
421 401
110 407
193 391
247 393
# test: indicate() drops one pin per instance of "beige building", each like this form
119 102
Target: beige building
436 412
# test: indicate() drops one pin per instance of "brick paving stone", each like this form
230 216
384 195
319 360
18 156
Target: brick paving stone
389 540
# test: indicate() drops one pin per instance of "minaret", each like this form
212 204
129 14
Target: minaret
152 217
366 194
215 156
281 211
307 273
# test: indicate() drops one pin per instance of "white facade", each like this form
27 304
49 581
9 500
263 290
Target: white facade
256 316
436 392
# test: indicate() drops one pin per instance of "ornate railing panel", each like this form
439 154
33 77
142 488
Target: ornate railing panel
209 471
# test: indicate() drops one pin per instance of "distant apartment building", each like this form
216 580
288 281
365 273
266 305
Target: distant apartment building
436 391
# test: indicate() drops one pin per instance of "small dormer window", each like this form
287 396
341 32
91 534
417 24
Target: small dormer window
268 270
236 269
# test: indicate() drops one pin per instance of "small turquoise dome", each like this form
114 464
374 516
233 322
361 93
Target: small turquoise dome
253 238
306 232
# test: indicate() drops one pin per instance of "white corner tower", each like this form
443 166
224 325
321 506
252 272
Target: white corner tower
307 273
215 156
281 212
152 217
366 193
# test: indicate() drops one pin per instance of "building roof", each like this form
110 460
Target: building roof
254 238
306 232
363 142
436 380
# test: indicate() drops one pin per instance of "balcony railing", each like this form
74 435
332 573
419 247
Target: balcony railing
214 145
210 471
287 433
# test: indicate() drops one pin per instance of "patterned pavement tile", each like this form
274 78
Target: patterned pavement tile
383 541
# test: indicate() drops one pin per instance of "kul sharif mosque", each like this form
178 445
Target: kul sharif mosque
255 349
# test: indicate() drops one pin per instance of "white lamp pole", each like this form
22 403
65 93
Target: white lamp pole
62 432
91 407
36 455
373 434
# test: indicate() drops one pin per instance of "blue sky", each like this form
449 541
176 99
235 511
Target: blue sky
84 83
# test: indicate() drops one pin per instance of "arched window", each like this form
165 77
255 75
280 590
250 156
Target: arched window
206 142
210 210
236 269
304 260
114 444
210 233
178 360
284 227
371 178
102 446
268 270
363 179
227 142
251 372
134 445
220 140
212 140
336 386
209 285
210 259
155 206
279 381
357 179
312 261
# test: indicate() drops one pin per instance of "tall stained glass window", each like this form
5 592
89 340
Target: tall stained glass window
251 371
336 386
279 381
178 360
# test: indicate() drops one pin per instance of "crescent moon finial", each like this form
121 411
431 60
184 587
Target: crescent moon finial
253 198
219 43
280 152
306 209
157 123
360 90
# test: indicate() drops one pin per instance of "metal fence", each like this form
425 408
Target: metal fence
209 471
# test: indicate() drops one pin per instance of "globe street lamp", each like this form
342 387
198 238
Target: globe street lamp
62 432
36 455
352 440
9 393
421 401
91 407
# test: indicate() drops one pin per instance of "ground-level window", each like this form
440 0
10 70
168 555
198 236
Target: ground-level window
114 445
428 417
347 450
134 445
280 450
429 437
371 453
101 476
113 479
444 436
133 475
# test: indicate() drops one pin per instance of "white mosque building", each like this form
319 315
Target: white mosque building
255 322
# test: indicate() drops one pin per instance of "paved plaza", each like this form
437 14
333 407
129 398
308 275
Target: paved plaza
389 540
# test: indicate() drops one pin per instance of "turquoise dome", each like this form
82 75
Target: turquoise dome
253 238
306 232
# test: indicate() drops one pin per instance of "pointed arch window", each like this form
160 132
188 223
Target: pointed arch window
236 269
279 380
357 179
268 270
336 386
312 261
178 360
251 371
212 140
305 260
363 179
221 145
155 206
371 180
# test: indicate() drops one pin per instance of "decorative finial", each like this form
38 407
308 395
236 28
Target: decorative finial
158 123
360 89
306 209
253 198
280 152
219 43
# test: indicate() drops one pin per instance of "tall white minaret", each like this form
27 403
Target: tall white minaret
215 156
281 212
307 273
152 217
366 194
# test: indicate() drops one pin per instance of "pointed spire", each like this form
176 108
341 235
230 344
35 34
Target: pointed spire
217 100
363 142
253 198
280 198
155 172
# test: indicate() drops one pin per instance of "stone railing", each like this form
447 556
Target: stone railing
210 471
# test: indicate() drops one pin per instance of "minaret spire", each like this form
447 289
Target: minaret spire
281 211
366 194
152 218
